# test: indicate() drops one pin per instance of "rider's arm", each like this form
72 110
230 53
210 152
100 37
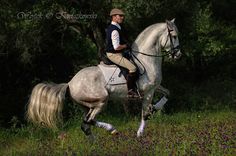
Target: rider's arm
116 41
121 47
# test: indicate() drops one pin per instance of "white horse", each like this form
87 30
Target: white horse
89 89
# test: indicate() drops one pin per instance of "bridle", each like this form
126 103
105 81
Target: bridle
173 50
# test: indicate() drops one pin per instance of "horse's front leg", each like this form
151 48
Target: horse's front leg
163 90
159 104
146 111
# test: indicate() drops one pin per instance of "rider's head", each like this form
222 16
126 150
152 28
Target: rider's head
117 15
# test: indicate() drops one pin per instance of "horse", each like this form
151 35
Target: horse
89 89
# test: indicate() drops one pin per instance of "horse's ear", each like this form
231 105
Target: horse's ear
173 20
168 22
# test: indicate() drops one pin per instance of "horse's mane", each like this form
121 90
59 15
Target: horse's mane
146 37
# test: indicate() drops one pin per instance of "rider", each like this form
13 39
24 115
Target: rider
115 46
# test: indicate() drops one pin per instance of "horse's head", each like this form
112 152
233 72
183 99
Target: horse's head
170 40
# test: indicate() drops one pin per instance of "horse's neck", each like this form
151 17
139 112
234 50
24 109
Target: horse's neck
153 70
148 42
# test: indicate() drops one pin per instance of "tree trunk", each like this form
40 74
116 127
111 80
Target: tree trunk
99 41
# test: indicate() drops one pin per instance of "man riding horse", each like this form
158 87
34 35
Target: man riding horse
89 88
115 46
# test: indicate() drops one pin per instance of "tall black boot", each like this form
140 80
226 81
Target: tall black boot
131 84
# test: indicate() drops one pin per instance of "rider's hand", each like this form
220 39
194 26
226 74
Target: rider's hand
128 47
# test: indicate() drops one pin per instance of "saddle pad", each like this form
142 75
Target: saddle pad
112 74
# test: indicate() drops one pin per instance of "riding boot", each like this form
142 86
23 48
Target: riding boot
131 84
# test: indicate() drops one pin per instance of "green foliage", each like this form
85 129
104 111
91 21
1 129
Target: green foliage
202 133
190 92
36 46
211 34
207 37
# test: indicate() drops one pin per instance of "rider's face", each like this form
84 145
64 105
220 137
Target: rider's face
118 18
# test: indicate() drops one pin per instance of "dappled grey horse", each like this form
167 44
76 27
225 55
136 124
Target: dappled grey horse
89 89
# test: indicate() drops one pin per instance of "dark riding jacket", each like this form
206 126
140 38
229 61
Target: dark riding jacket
109 46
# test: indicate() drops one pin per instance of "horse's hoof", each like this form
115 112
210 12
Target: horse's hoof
114 132
139 135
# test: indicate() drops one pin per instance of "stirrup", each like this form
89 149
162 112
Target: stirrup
133 94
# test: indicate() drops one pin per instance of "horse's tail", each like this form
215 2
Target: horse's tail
46 103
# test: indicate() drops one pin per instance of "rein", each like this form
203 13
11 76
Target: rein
135 51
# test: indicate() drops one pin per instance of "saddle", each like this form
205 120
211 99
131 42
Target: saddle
117 75
114 75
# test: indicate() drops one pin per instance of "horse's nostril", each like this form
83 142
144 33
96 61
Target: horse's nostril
178 55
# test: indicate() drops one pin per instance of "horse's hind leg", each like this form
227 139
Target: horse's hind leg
86 126
106 126
94 113
90 120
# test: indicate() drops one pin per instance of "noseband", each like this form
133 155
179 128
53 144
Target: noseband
173 49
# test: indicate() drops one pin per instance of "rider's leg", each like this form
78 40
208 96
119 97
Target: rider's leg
118 59
132 76
131 84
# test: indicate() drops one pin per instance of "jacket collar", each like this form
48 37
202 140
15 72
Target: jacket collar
116 24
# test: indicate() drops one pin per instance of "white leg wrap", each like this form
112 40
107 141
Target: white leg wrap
104 125
160 104
141 128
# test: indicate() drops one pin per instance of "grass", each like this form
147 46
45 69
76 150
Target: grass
205 133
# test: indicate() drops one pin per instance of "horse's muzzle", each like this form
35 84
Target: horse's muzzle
177 55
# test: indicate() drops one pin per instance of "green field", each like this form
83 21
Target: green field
208 133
